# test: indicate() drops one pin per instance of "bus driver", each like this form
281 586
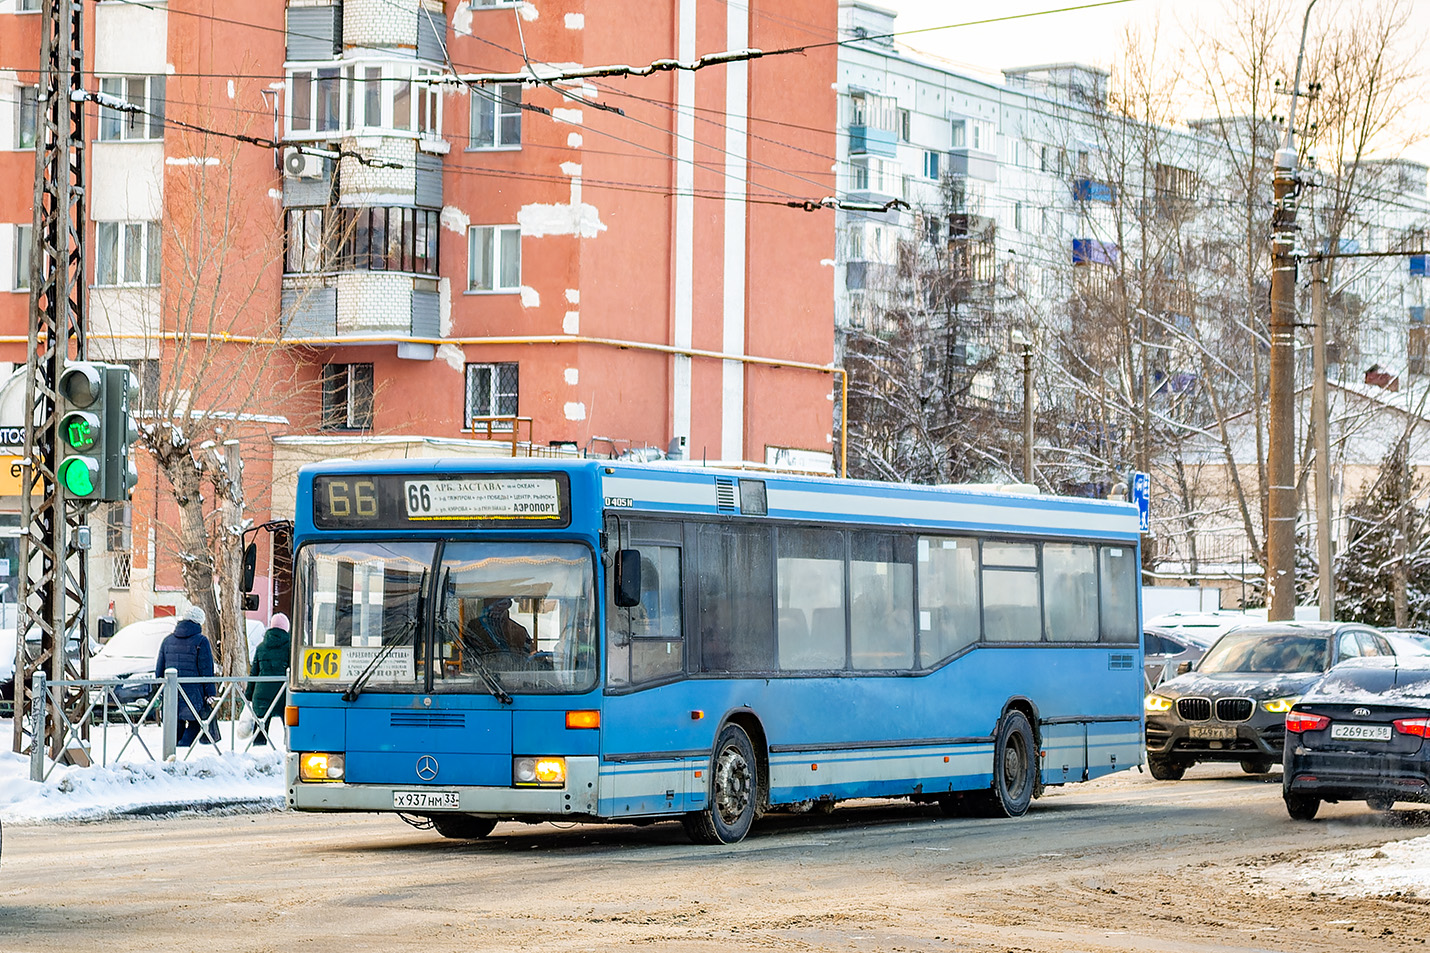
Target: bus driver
508 634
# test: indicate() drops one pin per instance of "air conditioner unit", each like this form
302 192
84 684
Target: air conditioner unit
299 165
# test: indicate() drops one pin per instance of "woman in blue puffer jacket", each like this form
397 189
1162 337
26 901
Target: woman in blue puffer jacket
188 651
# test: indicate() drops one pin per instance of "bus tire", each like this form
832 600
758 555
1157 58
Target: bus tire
1015 768
463 826
733 794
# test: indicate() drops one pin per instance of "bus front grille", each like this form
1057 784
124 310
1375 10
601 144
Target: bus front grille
428 719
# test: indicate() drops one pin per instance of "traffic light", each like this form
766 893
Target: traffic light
118 433
81 468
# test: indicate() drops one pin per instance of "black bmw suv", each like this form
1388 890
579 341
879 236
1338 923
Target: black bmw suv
1233 705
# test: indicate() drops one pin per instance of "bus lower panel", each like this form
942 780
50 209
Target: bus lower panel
879 772
578 797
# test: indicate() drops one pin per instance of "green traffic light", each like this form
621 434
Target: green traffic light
79 476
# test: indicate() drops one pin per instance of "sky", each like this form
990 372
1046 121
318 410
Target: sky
1093 36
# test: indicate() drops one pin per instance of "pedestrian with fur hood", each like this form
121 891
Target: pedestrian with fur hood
188 652
271 659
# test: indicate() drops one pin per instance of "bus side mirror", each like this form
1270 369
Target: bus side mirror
250 565
628 578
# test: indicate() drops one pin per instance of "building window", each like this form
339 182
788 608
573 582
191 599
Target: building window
24 235
873 174
491 391
972 134
27 6
906 124
117 528
27 111
146 93
307 243
931 164
494 258
496 116
347 397
126 253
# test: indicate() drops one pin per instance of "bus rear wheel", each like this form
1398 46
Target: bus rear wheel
1015 768
463 826
734 791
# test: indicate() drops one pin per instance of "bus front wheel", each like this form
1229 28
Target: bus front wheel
734 790
1015 768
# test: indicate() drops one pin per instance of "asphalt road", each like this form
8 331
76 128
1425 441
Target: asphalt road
1125 863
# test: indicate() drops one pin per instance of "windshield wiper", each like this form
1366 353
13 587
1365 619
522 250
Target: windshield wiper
355 689
413 624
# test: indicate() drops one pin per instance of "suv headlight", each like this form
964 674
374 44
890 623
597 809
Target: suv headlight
1156 703
1280 706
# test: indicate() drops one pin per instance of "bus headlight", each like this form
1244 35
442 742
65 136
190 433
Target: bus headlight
1156 703
320 766
538 772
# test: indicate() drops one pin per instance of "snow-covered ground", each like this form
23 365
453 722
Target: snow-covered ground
1399 867
202 779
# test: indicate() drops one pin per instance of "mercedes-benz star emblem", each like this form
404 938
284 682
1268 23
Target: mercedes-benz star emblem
1362 712
426 767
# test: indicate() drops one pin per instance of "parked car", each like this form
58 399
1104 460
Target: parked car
1205 627
1415 641
1163 650
1359 734
132 651
7 669
1233 705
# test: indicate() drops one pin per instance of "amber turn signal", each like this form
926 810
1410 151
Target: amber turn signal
290 716
583 719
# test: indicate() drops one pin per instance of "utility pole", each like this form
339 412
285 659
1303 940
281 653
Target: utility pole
1026 348
52 575
1281 418
1321 433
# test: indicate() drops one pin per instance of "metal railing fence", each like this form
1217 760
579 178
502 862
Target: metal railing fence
137 719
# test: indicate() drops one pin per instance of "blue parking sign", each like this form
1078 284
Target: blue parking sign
1142 496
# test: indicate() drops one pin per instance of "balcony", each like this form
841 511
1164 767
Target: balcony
366 306
867 140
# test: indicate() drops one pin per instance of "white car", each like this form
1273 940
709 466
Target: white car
133 650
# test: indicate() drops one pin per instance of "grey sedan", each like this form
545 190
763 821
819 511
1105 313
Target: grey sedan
1233 706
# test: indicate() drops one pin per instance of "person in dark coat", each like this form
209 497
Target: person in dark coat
271 659
187 651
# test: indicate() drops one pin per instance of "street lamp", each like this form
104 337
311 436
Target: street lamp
1021 342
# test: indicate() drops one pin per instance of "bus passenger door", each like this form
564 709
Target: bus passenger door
647 729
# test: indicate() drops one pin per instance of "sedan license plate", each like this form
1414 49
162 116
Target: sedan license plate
1211 732
426 800
1361 732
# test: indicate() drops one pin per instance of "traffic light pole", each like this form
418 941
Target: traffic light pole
52 572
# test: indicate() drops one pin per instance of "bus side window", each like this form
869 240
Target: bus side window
1118 586
948 597
1070 592
881 601
656 643
1011 597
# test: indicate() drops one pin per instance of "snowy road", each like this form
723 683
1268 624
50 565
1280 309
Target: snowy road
1123 864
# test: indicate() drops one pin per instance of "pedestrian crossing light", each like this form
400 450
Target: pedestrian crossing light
81 392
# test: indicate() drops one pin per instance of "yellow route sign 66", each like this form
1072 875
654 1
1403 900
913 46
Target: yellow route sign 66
322 663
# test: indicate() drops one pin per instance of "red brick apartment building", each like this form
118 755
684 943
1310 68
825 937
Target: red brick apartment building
419 254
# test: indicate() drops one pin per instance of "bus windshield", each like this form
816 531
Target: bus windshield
511 617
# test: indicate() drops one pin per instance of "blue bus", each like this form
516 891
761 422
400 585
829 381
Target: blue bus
478 641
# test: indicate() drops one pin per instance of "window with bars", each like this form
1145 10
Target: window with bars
494 258
27 112
491 391
347 397
496 117
126 253
146 93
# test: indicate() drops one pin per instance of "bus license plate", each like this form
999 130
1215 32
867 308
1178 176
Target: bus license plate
1211 732
426 800
1361 732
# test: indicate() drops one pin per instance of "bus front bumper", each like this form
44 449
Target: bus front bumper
577 797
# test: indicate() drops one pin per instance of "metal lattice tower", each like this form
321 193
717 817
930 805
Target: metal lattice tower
52 571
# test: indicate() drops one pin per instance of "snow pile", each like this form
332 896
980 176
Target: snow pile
1399 867
144 787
